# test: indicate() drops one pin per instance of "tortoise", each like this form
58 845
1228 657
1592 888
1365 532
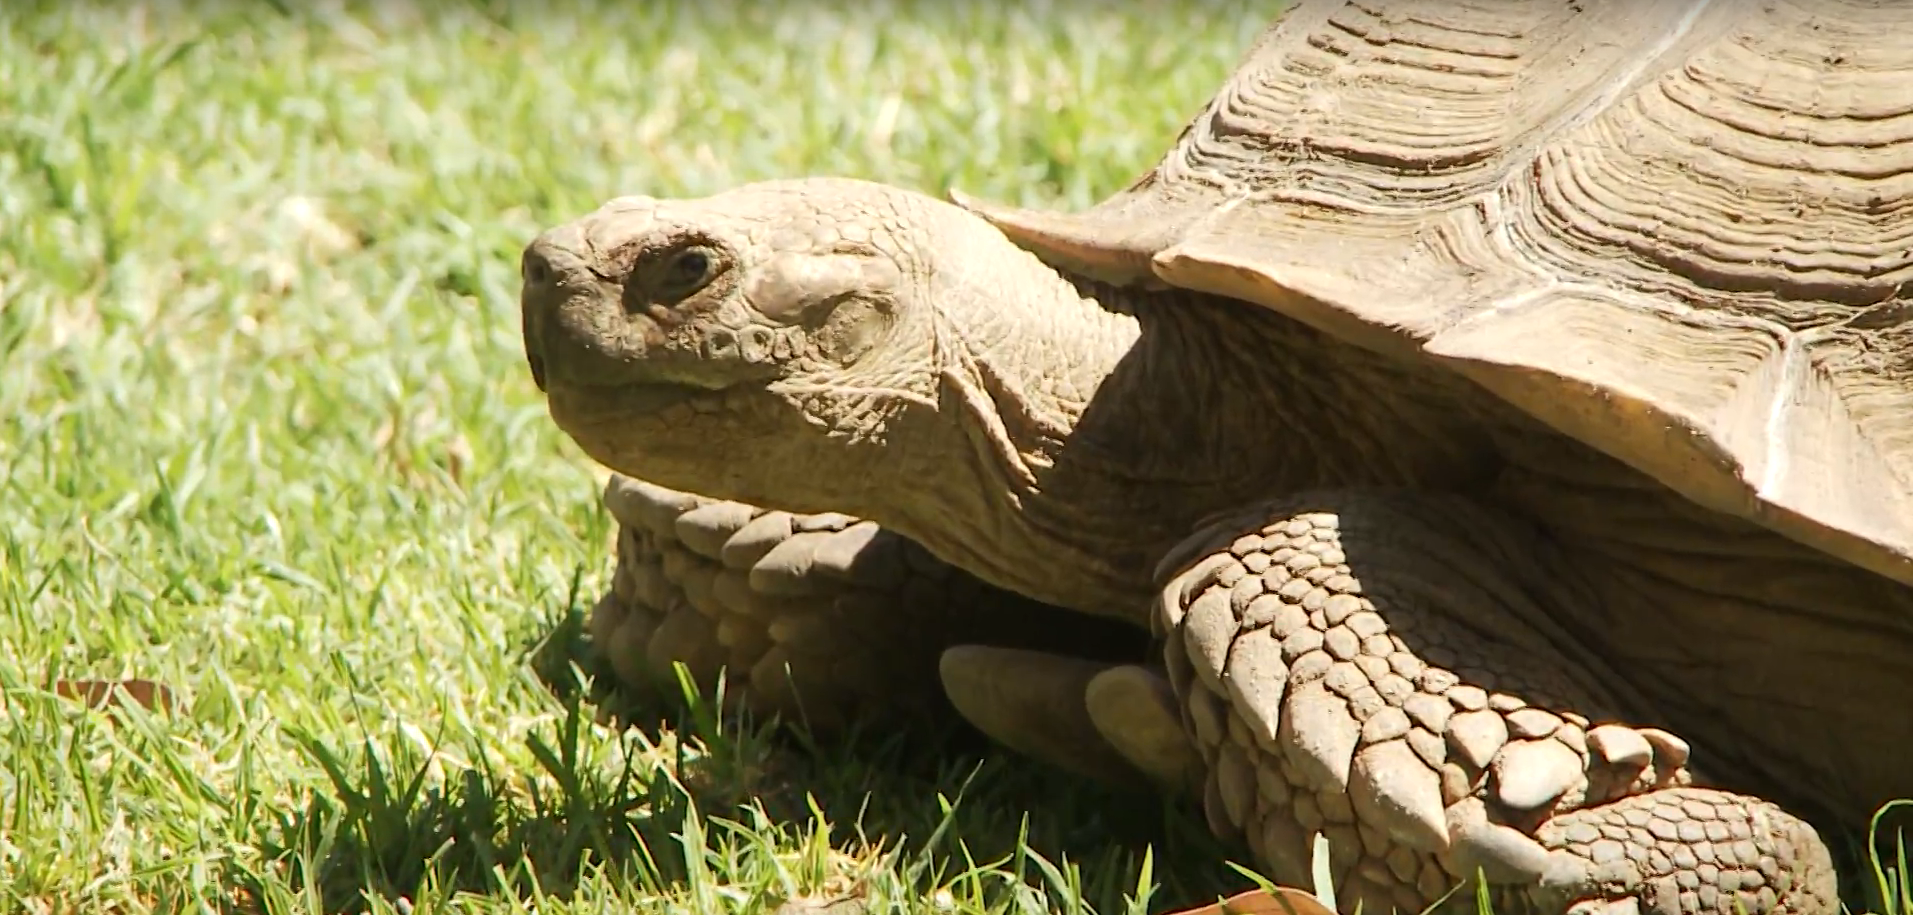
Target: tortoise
1499 417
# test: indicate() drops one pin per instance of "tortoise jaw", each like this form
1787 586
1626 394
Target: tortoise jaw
625 397
648 397
662 431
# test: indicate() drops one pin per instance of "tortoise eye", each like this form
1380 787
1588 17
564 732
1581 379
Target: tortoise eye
685 272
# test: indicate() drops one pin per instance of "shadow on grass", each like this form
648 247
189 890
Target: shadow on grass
739 817
910 811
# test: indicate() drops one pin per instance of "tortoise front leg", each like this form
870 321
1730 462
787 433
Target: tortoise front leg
823 617
1386 670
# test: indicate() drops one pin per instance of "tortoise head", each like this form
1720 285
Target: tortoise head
690 341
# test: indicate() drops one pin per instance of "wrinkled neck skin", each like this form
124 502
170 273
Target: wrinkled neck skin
1075 434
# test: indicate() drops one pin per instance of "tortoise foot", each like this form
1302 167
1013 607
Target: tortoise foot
1115 723
1676 851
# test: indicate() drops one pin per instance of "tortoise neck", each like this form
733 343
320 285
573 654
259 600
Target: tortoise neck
996 480
1097 426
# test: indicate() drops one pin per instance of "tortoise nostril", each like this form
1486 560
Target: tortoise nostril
535 267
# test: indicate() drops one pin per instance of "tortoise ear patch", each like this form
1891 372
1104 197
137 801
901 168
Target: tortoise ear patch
792 288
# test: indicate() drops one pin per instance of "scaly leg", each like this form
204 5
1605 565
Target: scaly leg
823 615
1386 670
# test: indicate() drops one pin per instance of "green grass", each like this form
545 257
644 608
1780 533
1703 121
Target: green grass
267 438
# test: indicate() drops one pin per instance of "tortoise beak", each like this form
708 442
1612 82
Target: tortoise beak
576 329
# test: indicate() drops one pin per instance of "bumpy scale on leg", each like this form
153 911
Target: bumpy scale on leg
1384 671
823 615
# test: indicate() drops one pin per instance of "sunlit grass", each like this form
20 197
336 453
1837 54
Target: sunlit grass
267 438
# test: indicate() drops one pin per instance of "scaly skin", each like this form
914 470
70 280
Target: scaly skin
850 347
819 618
1377 668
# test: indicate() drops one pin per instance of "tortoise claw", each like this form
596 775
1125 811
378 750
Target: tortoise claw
1135 710
1033 702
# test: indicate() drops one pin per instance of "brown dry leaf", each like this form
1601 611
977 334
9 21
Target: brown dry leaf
99 694
1281 901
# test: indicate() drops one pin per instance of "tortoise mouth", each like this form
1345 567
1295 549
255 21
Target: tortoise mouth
627 398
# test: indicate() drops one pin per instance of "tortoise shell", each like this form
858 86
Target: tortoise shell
1681 233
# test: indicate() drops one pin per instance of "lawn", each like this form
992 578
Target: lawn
267 439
